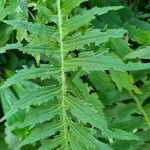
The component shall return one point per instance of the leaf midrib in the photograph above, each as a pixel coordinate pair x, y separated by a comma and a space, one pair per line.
60, 22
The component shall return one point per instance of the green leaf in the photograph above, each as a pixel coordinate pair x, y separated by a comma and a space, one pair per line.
9, 47
92, 36
123, 135
143, 53
32, 73
41, 132
120, 47
44, 15
82, 91
87, 16
7, 99
83, 111
90, 62
33, 50
23, 6
33, 28
7, 8
52, 144
5, 32
138, 35
122, 80
38, 115
90, 142
69, 99
68, 6
38, 97
141, 24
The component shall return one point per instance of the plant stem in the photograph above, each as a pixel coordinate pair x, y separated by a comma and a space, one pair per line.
60, 22
140, 108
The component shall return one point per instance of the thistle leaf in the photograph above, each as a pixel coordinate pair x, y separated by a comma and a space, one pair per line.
88, 15
143, 53
33, 28
94, 62
42, 95
25, 74
92, 36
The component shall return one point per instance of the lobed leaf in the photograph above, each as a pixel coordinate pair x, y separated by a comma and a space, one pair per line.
38, 97
84, 110
33, 50
143, 53
92, 36
90, 62
38, 115
41, 132
32, 73
87, 16
33, 28
68, 6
